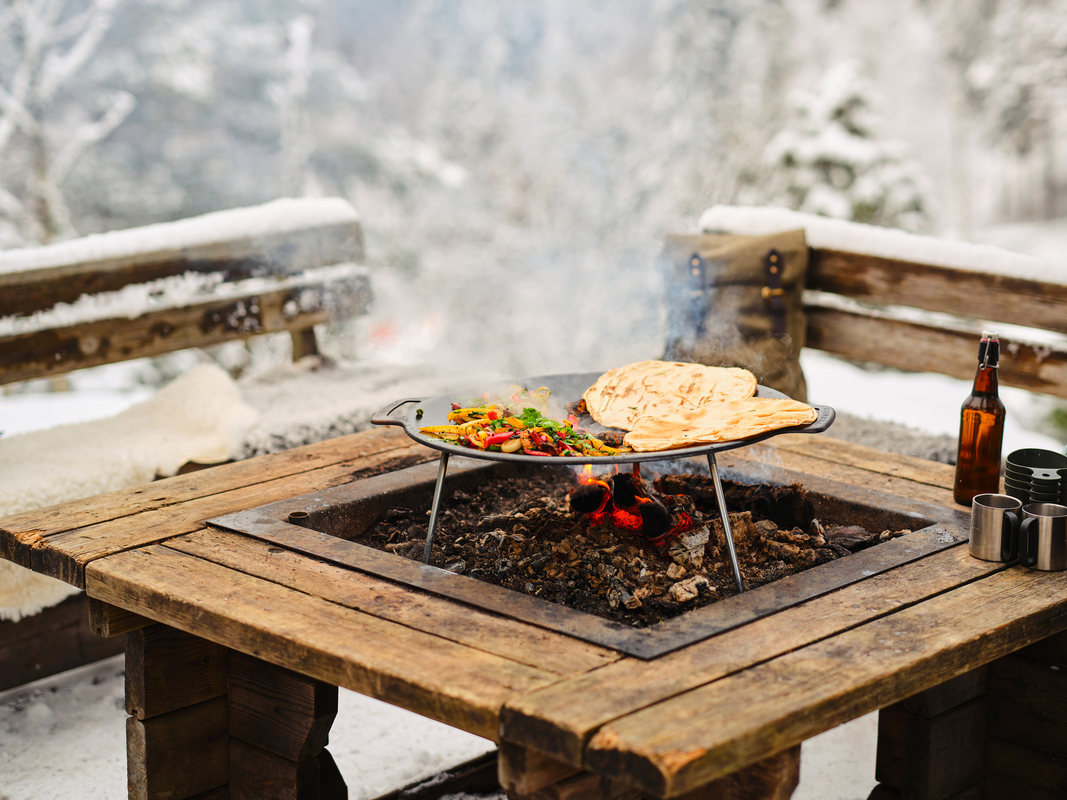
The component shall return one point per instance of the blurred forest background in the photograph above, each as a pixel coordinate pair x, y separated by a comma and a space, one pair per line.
521, 161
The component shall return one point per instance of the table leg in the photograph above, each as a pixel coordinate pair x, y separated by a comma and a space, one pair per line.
279, 727
209, 723
176, 735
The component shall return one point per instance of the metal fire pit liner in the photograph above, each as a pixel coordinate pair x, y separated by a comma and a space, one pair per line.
414, 413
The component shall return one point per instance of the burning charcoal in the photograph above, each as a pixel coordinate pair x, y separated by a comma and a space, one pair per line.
502, 566
629, 600
676, 571
537, 563
588, 498
625, 491
655, 519
458, 567
495, 521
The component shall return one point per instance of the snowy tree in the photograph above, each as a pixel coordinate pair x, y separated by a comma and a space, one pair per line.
45, 129
833, 162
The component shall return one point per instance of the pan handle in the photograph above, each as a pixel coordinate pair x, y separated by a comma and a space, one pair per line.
385, 416
823, 421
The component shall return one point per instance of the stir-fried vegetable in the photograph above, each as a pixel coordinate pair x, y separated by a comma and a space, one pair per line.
494, 427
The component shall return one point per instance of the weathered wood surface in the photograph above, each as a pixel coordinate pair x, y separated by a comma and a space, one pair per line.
178, 755
167, 669
688, 740
453, 683
59, 541
917, 347
108, 621
536, 647
107, 341
986, 296
279, 710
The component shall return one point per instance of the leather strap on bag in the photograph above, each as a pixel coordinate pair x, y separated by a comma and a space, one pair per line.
774, 292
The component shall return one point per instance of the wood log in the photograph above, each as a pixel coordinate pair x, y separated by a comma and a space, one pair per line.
981, 295
279, 710
917, 347
1028, 704
108, 620
1014, 771
49, 642
523, 771
257, 774
178, 755
167, 669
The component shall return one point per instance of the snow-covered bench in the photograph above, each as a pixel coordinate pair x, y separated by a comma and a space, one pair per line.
287, 265
918, 303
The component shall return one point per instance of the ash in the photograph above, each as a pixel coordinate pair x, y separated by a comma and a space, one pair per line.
520, 533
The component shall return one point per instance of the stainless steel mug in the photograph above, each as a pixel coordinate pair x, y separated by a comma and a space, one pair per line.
1043, 536
995, 527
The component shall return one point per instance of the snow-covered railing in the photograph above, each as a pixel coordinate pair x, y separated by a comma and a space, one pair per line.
283, 266
919, 303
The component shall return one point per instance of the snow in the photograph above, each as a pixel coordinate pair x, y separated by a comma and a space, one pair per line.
854, 237
277, 216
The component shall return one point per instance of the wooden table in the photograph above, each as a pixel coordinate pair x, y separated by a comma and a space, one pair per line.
237, 645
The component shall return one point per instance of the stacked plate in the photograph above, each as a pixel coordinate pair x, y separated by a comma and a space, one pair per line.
1036, 476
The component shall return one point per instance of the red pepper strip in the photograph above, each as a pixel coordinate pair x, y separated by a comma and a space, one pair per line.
492, 415
530, 452
499, 438
456, 406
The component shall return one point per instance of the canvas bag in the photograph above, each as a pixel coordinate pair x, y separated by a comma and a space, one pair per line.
737, 301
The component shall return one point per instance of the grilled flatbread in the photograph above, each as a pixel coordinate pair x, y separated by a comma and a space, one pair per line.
623, 395
719, 422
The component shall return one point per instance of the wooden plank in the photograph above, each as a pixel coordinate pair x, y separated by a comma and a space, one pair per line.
168, 669
767, 462
1014, 771
279, 710
949, 694
107, 620
560, 719
36, 524
945, 754
257, 774
49, 642
981, 295
890, 754
107, 341
1028, 704
439, 679
178, 755
63, 555
527, 644
682, 743
523, 771
242, 256
917, 347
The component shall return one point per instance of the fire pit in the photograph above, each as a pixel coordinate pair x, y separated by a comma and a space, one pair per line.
415, 414
322, 524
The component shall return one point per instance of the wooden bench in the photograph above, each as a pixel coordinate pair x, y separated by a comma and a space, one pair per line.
916, 315
285, 266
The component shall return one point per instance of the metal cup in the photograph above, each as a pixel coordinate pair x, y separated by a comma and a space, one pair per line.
995, 527
1043, 536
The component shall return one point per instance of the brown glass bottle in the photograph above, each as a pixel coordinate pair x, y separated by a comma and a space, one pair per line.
981, 428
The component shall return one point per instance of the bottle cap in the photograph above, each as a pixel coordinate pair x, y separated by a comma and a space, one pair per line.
990, 335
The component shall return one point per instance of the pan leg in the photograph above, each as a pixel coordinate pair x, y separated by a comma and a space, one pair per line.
725, 522
436, 504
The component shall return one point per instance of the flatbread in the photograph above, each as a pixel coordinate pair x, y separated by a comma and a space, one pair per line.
726, 421
623, 395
